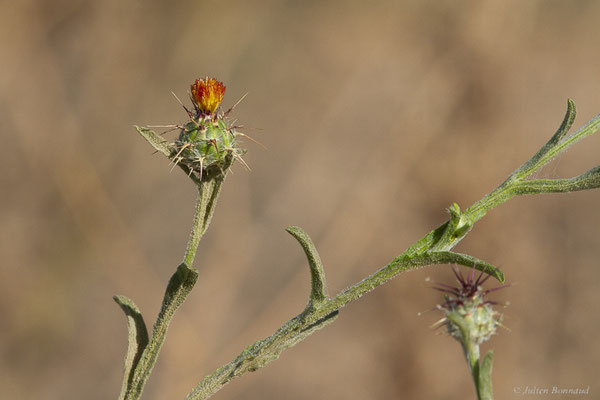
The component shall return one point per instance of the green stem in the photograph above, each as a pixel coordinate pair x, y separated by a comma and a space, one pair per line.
208, 193
472, 355
313, 318
179, 287
481, 374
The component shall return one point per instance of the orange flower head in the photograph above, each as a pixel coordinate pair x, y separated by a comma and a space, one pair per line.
207, 94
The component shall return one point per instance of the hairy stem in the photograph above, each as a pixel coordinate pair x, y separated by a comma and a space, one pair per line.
180, 285
143, 354
471, 351
208, 194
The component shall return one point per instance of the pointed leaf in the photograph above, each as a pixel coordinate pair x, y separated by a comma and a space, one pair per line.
449, 257
566, 124
318, 292
588, 180
157, 141
485, 377
137, 338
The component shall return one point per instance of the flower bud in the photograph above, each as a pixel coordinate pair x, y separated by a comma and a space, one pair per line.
473, 320
207, 143
468, 316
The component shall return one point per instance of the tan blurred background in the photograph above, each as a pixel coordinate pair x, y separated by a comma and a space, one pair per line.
377, 116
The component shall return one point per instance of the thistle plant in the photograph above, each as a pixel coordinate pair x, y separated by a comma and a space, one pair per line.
206, 149
471, 320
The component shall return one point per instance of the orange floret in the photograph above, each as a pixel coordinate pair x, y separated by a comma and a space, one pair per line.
207, 94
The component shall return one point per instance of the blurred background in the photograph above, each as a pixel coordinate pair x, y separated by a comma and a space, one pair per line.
376, 117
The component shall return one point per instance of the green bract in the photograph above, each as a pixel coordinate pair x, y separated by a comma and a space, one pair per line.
479, 321
206, 146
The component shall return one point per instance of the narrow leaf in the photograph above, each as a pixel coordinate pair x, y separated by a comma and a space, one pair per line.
318, 292
540, 159
180, 284
166, 148
157, 141
485, 377
137, 338
443, 257
552, 149
588, 180
566, 124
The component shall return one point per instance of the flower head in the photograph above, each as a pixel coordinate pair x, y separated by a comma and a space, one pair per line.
207, 94
468, 316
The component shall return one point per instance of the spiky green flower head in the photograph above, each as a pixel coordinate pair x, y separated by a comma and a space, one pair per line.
207, 143
468, 316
